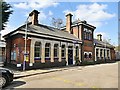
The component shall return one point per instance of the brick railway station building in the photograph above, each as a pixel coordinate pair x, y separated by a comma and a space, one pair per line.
48, 46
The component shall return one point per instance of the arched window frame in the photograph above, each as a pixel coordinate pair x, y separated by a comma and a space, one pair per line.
56, 50
97, 52
90, 55
85, 55
37, 51
85, 35
63, 51
47, 51
77, 51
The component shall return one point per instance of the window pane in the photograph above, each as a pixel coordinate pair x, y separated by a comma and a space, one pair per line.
85, 55
37, 49
47, 50
77, 51
63, 51
56, 48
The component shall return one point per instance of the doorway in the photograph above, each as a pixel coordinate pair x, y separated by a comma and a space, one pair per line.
70, 55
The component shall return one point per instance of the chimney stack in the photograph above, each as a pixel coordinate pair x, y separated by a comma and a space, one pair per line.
34, 17
68, 22
99, 37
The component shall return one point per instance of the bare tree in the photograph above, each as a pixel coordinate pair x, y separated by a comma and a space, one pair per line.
57, 22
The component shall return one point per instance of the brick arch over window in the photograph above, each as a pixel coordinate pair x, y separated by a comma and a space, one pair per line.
37, 50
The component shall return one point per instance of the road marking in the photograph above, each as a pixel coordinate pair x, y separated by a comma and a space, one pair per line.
74, 83
79, 84
68, 81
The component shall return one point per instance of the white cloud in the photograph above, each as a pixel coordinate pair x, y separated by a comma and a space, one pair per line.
22, 5
42, 16
102, 0
7, 30
93, 13
50, 13
36, 4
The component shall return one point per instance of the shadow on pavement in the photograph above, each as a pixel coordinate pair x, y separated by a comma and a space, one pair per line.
15, 84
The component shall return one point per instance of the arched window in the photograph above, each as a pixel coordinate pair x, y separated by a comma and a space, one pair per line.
85, 35
85, 55
47, 50
56, 50
37, 51
90, 56
97, 52
63, 51
89, 35
101, 53
77, 51
108, 53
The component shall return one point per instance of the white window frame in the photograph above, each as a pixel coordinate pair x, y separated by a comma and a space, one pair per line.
37, 51
63, 49
49, 50
57, 50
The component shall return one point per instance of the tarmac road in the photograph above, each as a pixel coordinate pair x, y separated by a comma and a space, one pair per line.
94, 76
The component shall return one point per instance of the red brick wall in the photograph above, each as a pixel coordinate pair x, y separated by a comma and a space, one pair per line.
79, 33
112, 51
8, 50
17, 45
88, 47
75, 31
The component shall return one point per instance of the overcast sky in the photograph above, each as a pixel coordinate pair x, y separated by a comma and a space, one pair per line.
103, 15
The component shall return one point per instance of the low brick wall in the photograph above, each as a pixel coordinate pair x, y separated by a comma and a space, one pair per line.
87, 62
38, 65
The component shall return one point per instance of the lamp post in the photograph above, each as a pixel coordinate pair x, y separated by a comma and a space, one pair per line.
25, 48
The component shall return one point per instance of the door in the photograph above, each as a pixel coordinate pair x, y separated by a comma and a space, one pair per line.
70, 55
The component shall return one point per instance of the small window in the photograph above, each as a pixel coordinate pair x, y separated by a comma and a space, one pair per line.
63, 51
89, 36
13, 55
107, 53
85, 55
97, 52
56, 50
37, 51
77, 51
90, 56
47, 50
85, 35
100, 52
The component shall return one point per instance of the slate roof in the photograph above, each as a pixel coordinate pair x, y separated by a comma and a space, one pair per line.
103, 44
47, 30
79, 21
